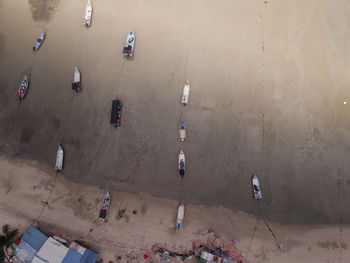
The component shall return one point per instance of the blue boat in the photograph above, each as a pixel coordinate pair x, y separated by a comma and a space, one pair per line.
23, 88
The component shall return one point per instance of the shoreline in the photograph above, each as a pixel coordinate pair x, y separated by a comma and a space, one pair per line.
154, 222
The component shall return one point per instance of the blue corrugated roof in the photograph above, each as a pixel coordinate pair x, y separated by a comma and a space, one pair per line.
89, 257
72, 256
25, 252
34, 238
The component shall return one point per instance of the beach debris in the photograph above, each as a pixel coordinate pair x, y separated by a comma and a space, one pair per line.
146, 255
22, 90
88, 14
182, 131
105, 206
186, 93
39, 41
345, 102
33, 187
128, 50
134, 212
132, 255
121, 213
256, 188
59, 159
116, 112
76, 80
182, 164
218, 247
180, 215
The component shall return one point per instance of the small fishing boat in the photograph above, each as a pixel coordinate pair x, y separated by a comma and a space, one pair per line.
182, 164
128, 50
116, 113
88, 14
180, 215
105, 207
182, 131
39, 41
256, 188
76, 80
23, 88
59, 159
186, 93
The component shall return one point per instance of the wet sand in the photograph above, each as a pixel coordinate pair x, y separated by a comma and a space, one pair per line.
268, 85
73, 209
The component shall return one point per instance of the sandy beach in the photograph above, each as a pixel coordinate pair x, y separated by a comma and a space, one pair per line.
73, 211
270, 95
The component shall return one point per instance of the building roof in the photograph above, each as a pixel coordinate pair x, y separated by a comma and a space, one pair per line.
52, 251
72, 257
34, 238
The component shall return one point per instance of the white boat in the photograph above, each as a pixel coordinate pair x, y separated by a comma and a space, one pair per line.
180, 215
256, 188
39, 41
76, 80
182, 164
182, 131
59, 159
186, 93
88, 14
105, 207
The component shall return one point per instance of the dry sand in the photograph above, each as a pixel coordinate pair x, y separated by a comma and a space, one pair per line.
154, 222
268, 85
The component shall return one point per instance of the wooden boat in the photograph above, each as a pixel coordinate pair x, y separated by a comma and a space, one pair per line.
182, 164
105, 207
186, 93
59, 159
116, 112
180, 215
88, 14
128, 50
39, 41
76, 80
256, 188
22, 90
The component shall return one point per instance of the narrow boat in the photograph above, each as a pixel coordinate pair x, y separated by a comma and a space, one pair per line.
76, 80
88, 14
186, 93
128, 50
256, 188
116, 113
22, 90
182, 131
182, 164
105, 207
180, 215
59, 159
39, 41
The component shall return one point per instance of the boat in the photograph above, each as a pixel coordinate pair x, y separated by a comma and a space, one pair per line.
39, 41
256, 188
116, 112
59, 159
76, 80
105, 207
186, 93
128, 50
182, 164
182, 131
22, 90
180, 215
88, 14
